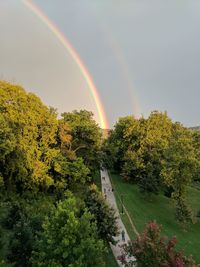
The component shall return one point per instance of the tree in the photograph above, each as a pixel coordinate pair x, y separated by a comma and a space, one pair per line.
146, 141
7, 139
178, 167
103, 214
151, 249
124, 133
69, 238
68, 173
86, 136
23, 217
21, 244
31, 130
64, 140
153, 144
149, 183
196, 145
7, 145
183, 212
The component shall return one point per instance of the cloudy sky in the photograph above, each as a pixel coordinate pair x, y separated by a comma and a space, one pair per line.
143, 55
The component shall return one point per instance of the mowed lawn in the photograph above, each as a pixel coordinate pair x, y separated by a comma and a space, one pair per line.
160, 209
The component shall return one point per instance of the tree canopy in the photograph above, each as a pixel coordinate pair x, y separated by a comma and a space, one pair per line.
86, 136
158, 155
48, 214
69, 238
31, 130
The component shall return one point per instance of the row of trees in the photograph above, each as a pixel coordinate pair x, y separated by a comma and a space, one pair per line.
158, 155
51, 214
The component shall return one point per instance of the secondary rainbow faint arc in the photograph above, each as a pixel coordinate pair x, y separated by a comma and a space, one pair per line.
65, 42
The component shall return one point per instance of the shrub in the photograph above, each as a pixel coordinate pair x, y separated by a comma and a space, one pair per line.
151, 249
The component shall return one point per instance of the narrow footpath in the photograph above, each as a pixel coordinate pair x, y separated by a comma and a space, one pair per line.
109, 194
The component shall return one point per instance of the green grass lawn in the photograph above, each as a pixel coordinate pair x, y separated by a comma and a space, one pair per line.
159, 208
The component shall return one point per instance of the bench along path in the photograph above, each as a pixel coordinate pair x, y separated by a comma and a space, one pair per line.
107, 191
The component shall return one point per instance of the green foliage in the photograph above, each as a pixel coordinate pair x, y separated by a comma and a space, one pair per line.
178, 168
1, 183
86, 136
4, 263
149, 183
69, 238
183, 213
78, 171
12, 216
103, 214
66, 173
21, 220
138, 148
64, 140
179, 160
36, 150
133, 167
7, 139
120, 138
153, 137
21, 244
29, 132
151, 249
196, 145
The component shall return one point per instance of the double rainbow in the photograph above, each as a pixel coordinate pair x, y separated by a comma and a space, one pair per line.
68, 46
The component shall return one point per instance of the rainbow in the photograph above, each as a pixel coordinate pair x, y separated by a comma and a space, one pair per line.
68, 46
122, 64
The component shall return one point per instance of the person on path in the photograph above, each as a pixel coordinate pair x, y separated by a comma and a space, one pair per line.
123, 235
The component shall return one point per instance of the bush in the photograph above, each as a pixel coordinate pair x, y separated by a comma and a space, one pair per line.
183, 213
151, 249
69, 238
104, 215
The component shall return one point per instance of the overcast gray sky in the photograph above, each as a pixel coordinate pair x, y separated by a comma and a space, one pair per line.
143, 55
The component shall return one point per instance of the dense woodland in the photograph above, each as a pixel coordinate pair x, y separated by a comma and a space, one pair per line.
51, 212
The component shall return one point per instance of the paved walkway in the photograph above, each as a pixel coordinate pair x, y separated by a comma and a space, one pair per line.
107, 190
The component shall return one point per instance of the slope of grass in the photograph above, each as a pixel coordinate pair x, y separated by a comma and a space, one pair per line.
161, 209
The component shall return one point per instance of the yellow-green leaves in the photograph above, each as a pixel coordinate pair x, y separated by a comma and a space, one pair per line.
29, 136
